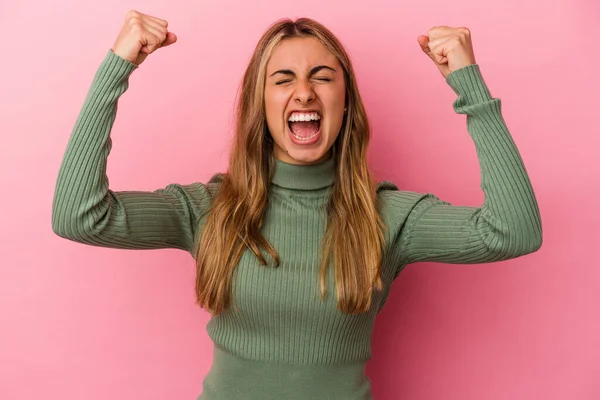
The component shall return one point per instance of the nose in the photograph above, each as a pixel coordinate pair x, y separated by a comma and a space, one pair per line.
304, 93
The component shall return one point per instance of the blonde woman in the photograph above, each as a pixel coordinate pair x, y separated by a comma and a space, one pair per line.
296, 245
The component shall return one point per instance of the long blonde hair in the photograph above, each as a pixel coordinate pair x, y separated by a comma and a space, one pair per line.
354, 233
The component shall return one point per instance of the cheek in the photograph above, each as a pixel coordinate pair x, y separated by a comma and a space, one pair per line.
334, 104
274, 107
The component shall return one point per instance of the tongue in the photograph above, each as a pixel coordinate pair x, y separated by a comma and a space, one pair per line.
304, 129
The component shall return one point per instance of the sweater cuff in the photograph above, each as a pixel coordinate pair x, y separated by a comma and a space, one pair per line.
115, 68
467, 82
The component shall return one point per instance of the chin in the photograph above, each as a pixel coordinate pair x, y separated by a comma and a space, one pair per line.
306, 155
309, 160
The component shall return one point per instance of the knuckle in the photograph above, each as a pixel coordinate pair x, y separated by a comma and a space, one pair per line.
131, 14
135, 25
134, 20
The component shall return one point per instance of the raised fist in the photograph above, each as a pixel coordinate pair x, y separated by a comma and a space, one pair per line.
141, 35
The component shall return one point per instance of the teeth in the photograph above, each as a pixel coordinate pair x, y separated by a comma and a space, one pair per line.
306, 138
295, 117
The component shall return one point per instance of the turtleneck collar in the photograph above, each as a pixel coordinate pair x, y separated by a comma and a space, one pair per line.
304, 177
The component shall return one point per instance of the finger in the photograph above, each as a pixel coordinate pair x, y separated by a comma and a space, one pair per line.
159, 21
153, 40
155, 25
167, 38
160, 33
424, 44
438, 50
439, 31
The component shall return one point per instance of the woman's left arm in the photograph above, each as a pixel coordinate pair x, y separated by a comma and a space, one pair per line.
508, 224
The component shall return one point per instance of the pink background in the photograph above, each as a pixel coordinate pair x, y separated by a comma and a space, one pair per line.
79, 322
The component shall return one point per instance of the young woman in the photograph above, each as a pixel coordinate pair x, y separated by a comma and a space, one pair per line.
296, 246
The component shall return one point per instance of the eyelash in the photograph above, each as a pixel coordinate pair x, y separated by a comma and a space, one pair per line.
320, 79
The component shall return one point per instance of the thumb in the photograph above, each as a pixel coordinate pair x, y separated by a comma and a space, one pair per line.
170, 39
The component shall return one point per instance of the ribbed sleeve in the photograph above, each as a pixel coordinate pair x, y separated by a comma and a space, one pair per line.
508, 224
85, 210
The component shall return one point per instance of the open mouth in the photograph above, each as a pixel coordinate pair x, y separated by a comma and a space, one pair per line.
304, 127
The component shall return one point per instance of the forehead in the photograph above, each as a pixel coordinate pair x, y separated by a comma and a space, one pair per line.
300, 54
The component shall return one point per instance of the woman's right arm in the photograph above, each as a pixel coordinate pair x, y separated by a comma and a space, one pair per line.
85, 210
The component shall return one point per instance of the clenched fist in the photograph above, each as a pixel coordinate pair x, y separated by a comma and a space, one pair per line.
449, 48
141, 35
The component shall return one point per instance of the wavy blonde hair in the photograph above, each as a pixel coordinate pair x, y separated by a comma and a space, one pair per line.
354, 233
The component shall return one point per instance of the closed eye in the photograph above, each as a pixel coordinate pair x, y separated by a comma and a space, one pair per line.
324, 79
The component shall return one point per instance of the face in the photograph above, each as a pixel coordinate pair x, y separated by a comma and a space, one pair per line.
305, 96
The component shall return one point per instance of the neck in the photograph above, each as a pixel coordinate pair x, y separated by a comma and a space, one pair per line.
304, 177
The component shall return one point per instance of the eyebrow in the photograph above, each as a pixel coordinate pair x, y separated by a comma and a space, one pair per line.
313, 71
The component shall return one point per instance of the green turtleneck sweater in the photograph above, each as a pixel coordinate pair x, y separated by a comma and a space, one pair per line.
280, 341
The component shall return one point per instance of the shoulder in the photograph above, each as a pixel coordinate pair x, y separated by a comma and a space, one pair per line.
214, 183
